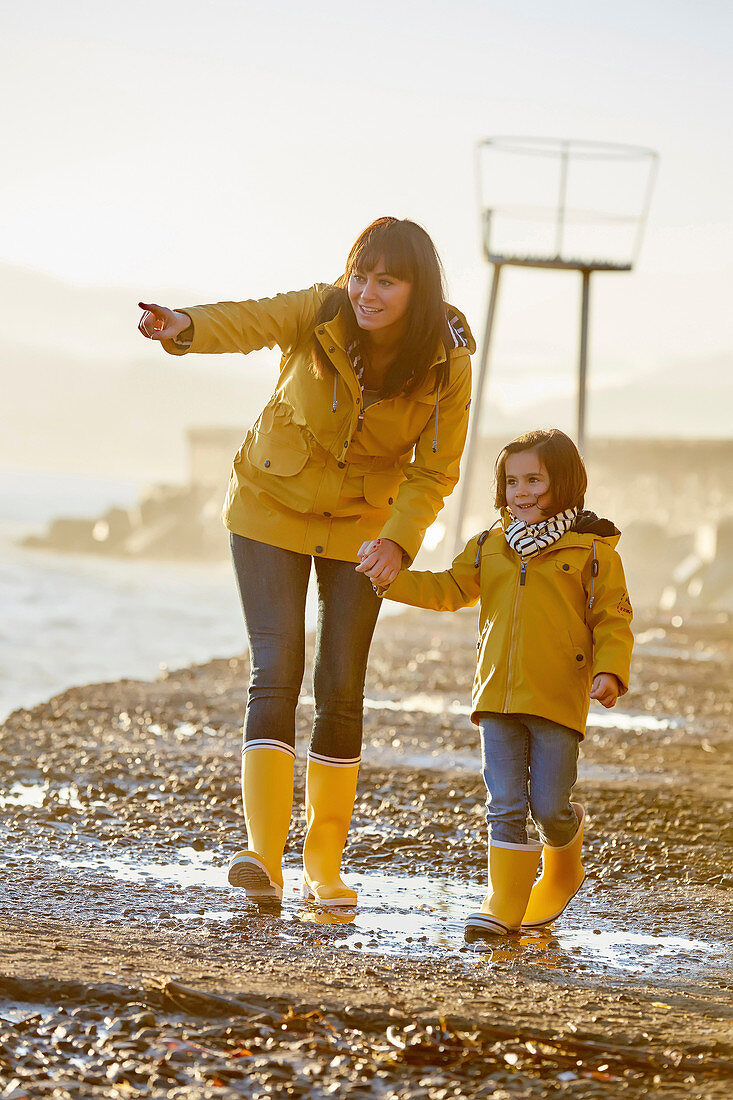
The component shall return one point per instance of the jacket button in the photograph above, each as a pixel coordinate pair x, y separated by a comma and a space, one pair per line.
327, 514
319, 549
341, 465
578, 656
332, 349
566, 567
321, 331
346, 444
267, 462
391, 500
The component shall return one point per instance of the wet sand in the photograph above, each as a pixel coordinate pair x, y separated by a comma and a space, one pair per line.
129, 967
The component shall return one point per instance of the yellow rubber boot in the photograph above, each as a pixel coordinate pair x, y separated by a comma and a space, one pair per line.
330, 790
561, 878
267, 794
512, 870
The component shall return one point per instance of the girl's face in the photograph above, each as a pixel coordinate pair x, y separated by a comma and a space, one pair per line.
528, 494
379, 300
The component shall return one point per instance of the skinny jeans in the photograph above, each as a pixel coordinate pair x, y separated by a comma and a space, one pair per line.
273, 584
530, 764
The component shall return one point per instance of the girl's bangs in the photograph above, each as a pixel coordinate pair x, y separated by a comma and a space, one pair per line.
384, 245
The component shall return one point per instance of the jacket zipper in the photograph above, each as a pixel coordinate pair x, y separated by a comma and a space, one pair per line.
515, 632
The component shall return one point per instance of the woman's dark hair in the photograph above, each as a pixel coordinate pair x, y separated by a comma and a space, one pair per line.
561, 459
407, 253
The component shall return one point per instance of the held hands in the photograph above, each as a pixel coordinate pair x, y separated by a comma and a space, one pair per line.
161, 323
381, 560
605, 688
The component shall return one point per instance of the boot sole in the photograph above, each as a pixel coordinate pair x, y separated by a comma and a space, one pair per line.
482, 924
549, 920
328, 903
253, 877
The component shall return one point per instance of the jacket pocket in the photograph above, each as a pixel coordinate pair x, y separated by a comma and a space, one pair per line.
381, 487
566, 567
580, 653
277, 444
274, 455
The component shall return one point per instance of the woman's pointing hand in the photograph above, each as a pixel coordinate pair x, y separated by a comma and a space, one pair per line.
161, 323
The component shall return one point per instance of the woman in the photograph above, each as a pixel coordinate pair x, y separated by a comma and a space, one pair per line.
357, 449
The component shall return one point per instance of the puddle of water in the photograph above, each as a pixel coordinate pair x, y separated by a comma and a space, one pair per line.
16, 1011
437, 704
413, 704
422, 915
197, 869
677, 654
635, 723
37, 794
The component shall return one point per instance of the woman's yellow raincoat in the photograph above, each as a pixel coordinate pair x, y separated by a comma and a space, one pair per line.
547, 625
317, 473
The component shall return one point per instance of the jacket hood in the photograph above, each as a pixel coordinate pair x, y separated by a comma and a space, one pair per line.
460, 329
588, 523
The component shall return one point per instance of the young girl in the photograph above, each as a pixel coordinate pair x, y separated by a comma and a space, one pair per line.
362, 438
554, 632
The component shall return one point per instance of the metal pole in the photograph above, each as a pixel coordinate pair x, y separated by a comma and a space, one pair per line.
583, 362
561, 200
476, 402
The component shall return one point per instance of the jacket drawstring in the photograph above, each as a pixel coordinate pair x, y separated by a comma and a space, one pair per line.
437, 407
335, 384
593, 575
481, 540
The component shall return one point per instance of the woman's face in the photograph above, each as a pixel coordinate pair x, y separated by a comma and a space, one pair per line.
379, 300
527, 486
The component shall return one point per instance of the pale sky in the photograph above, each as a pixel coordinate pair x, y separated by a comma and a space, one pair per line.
236, 147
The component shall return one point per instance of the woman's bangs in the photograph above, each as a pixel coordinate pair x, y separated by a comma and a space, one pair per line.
386, 246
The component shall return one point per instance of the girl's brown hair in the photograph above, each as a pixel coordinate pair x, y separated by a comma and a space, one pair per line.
565, 468
409, 254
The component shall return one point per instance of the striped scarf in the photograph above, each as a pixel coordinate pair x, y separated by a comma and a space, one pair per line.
529, 539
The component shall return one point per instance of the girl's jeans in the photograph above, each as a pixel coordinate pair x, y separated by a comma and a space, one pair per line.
272, 587
529, 763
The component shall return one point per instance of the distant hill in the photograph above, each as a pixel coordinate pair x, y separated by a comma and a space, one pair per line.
689, 398
82, 391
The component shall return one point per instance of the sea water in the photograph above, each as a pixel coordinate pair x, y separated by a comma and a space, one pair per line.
68, 619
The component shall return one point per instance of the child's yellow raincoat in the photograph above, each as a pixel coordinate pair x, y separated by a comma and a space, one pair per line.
547, 625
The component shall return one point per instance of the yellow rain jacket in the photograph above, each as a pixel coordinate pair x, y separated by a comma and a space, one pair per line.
318, 473
547, 625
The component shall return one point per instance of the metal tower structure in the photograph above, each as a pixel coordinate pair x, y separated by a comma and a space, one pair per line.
556, 205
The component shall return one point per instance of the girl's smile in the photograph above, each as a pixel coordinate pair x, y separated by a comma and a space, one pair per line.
528, 494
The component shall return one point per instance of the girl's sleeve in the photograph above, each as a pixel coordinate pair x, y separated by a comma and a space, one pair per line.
459, 586
249, 326
432, 475
610, 618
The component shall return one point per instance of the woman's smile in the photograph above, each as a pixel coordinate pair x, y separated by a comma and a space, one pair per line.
379, 300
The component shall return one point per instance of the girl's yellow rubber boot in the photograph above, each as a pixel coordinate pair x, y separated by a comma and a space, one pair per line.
267, 794
512, 870
562, 876
330, 789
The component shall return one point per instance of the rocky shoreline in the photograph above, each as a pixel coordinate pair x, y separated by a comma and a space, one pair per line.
129, 967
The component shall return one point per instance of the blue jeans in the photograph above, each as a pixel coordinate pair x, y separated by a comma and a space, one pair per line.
272, 586
529, 764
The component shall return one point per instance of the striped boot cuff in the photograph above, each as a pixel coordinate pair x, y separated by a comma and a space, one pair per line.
268, 743
334, 761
